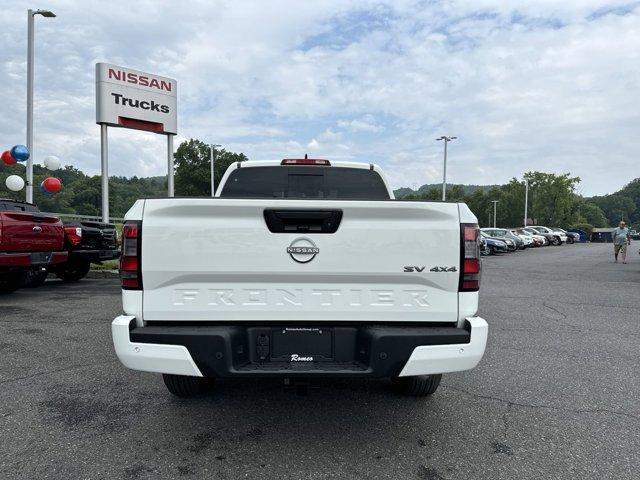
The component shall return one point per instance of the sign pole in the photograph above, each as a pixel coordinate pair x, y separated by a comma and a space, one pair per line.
170, 189
213, 164
213, 181
104, 157
526, 199
495, 211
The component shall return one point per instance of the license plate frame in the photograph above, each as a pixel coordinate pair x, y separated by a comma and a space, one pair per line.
302, 344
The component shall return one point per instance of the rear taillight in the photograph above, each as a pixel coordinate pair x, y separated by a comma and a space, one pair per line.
130, 264
73, 234
470, 267
305, 161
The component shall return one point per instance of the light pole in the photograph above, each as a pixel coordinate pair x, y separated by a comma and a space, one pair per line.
213, 178
526, 199
30, 15
444, 170
495, 206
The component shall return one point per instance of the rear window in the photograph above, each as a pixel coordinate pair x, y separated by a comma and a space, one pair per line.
6, 206
302, 182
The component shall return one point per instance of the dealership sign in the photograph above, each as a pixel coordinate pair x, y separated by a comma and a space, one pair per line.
133, 99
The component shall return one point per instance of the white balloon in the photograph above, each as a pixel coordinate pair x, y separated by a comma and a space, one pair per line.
14, 183
52, 162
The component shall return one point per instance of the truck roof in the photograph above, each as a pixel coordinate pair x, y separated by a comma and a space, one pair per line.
14, 201
11, 204
329, 164
333, 163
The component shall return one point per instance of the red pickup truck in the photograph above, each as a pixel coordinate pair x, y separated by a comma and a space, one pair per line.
30, 242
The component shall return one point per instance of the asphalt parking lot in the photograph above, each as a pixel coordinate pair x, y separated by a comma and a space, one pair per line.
556, 396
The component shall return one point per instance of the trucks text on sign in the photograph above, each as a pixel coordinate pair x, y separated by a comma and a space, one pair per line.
133, 99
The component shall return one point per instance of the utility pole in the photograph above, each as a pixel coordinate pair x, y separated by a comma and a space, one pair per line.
30, 36
444, 170
213, 173
526, 199
495, 206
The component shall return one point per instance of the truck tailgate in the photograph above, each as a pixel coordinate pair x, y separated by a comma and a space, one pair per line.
30, 232
217, 260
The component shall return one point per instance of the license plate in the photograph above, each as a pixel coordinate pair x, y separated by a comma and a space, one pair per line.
302, 344
40, 257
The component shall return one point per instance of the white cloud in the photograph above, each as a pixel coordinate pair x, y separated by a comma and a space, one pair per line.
360, 125
525, 85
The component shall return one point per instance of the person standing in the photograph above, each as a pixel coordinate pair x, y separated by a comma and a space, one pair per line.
620, 236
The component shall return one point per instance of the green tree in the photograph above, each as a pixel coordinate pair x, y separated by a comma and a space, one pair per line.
552, 198
615, 207
477, 203
432, 193
193, 167
632, 190
510, 210
590, 213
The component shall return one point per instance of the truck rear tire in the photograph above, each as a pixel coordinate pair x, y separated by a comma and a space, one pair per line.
419, 386
73, 270
185, 386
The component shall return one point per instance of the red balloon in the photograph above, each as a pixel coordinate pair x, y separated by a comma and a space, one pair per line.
7, 159
52, 184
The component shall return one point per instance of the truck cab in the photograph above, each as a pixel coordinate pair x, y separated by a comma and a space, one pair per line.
297, 269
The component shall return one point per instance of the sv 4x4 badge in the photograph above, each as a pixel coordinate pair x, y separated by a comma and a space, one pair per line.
432, 269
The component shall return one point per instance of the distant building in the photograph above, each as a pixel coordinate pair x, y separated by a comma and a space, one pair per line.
602, 235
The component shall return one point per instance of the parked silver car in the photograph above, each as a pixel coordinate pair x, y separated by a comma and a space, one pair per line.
504, 235
557, 238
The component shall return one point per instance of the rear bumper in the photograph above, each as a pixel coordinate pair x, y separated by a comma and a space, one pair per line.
233, 350
94, 255
28, 259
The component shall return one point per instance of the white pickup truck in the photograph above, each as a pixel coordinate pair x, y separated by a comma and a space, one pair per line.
300, 269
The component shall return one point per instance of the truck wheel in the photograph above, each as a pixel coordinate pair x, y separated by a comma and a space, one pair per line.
185, 386
10, 281
73, 270
419, 386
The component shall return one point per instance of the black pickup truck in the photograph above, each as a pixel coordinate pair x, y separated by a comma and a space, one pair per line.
87, 242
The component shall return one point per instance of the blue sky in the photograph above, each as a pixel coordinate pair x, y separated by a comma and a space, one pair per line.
549, 86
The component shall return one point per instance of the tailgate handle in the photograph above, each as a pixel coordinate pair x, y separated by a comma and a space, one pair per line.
302, 221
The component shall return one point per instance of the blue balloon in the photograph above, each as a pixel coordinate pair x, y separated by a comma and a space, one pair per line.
20, 153
44, 190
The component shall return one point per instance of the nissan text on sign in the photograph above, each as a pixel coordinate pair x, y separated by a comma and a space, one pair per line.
133, 99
